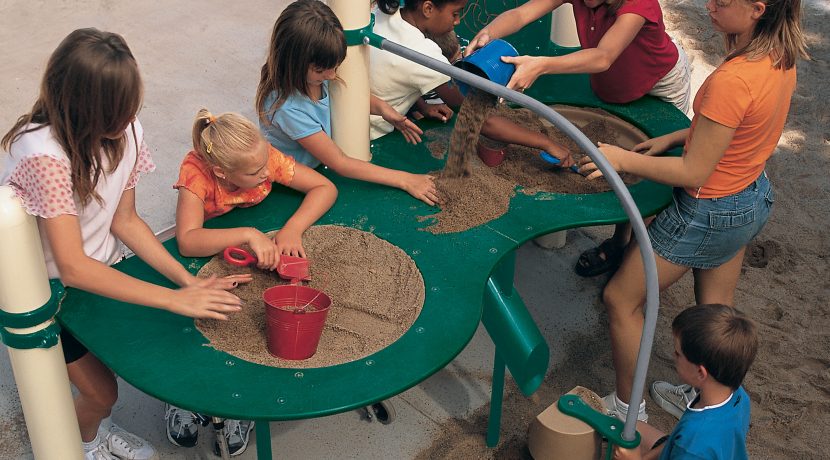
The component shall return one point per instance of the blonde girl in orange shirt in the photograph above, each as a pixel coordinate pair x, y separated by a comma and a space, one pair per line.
722, 197
231, 166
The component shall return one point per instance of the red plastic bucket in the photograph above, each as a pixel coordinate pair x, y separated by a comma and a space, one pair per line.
492, 157
295, 316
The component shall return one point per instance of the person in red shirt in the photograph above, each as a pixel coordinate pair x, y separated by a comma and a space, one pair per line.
628, 54
722, 195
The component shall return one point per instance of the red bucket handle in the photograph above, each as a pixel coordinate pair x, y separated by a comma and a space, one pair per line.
238, 256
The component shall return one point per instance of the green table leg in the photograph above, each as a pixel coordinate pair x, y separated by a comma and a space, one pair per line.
263, 440
497, 393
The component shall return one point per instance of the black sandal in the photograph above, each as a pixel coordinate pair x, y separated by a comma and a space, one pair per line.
592, 262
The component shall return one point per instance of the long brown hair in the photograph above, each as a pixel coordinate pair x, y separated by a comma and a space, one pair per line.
306, 34
91, 91
778, 34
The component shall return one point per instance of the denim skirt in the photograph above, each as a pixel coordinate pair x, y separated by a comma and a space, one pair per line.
708, 232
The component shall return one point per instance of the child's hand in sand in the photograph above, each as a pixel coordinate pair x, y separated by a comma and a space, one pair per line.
289, 242
199, 301
422, 187
561, 153
264, 249
225, 282
612, 153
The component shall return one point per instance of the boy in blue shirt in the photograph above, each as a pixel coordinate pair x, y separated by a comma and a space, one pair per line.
714, 345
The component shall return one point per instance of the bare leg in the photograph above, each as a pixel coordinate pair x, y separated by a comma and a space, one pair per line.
717, 285
624, 297
98, 391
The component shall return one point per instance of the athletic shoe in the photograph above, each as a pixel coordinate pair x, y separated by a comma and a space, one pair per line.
674, 399
619, 409
123, 444
98, 450
182, 429
237, 433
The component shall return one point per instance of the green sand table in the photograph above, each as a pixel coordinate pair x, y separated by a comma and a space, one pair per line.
164, 355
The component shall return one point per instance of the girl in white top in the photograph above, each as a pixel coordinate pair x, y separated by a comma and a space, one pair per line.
401, 83
74, 161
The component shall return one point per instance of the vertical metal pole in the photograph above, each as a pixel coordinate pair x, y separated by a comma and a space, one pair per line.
350, 96
39, 368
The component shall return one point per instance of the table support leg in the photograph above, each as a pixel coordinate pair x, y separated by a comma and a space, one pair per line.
496, 396
263, 440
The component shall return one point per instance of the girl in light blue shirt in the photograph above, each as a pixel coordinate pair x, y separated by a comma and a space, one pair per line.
292, 99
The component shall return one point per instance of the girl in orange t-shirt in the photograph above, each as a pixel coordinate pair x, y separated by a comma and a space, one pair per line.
232, 165
722, 197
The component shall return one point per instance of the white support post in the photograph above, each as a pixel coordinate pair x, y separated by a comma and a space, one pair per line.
350, 98
563, 27
40, 373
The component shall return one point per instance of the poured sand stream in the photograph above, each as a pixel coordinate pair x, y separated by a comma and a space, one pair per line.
377, 293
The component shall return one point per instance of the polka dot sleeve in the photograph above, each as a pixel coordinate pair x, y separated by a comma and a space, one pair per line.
44, 184
143, 165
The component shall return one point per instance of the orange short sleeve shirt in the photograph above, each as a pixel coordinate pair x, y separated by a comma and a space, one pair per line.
753, 98
196, 176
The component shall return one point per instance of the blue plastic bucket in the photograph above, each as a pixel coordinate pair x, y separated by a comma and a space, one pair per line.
486, 62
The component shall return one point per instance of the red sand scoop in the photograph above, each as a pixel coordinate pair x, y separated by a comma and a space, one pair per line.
289, 267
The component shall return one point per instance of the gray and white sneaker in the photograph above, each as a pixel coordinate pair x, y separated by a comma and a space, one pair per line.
182, 429
615, 407
674, 399
100, 451
237, 433
125, 445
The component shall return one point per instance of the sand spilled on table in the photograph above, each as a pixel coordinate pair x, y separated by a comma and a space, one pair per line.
475, 194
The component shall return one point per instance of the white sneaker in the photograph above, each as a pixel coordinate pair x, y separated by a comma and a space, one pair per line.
125, 445
98, 450
619, 409
674, 399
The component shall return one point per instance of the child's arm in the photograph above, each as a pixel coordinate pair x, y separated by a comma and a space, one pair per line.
131, 229
588, 60
420, 186
706, 147
196, 241
504, 130
657, 145
320, 194
511, 21
81, 271
411, 132
648, 436
440, 112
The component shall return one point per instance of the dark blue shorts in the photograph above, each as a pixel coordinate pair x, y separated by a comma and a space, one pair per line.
708, 232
